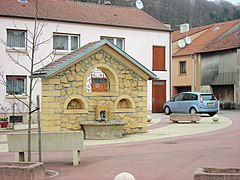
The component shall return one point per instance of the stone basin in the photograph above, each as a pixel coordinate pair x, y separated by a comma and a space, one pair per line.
22, 170
112, 129
216, 173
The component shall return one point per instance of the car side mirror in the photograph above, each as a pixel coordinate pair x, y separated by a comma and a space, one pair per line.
172, 99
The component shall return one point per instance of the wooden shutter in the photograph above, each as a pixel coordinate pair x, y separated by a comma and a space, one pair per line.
158, 58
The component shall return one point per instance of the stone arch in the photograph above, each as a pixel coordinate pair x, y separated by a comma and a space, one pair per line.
124, 103
75, 104
109, 72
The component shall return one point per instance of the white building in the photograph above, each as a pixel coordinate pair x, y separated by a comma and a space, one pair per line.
68, 25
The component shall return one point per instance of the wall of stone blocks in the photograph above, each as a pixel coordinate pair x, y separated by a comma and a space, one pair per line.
61, 88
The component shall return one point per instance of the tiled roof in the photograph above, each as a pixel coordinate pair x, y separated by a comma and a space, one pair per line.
64, 59
86, 13
74, 56
209, 34
177, 35
229, 42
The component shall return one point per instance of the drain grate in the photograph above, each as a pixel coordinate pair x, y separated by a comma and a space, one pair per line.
162, 134
170, 142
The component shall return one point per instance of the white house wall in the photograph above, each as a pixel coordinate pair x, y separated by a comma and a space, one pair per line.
138, 44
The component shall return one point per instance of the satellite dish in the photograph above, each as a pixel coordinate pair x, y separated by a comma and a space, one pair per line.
181, 43
139, 4
188, 40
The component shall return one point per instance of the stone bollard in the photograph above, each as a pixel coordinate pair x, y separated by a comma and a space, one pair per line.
149, 118
124, 176
215, 118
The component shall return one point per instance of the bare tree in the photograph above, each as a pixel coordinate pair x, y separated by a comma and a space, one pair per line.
34, 41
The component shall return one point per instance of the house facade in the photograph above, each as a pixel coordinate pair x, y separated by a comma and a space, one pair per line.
198, 58
220, 73
66, 26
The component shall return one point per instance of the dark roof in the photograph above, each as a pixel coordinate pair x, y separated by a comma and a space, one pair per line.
231, 41
208, 34
74, 56
86, 13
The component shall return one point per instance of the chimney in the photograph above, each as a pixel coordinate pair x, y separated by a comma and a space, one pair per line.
184, 28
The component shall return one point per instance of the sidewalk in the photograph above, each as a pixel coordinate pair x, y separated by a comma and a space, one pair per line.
168, 130
159, 127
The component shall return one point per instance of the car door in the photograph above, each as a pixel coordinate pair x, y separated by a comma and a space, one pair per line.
187, 102
175, 103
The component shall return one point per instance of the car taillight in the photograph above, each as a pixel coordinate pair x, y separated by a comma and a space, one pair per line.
201, 99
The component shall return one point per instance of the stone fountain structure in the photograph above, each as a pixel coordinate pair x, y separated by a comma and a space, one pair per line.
102, 127
68, 105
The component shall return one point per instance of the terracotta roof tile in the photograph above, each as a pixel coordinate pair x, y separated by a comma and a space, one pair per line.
71, 11
229, 42
177, 35
210, 34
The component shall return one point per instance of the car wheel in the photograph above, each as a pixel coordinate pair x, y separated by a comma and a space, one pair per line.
167, 110
193, 111
211, 114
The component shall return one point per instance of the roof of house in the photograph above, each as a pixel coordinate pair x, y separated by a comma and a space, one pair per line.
229, 42
79, 12
177, 35
208, 35
74, 56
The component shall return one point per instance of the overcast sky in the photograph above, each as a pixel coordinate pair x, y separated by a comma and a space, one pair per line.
235, 2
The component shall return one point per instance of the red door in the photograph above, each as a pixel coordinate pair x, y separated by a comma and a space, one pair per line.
158, 95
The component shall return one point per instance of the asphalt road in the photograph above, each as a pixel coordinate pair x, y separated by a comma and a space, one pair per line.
174, 158
166, 159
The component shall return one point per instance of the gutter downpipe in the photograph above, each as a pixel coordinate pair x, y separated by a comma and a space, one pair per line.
170, 64
193, 72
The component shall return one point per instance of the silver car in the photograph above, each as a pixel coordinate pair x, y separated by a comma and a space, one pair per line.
192, 102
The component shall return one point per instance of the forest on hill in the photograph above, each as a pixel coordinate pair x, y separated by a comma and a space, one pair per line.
176, 12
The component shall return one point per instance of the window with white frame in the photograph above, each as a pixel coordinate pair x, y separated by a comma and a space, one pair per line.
16, 39
66, 42
119, 42
16, 85
182, 67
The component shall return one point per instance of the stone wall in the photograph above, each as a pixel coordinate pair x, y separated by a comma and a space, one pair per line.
69, 85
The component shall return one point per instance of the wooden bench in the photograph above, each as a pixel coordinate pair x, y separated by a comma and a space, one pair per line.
51, 141
185, 117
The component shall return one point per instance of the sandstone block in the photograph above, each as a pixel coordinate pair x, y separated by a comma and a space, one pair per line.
99, 56
63, 79
58, 87
78, 68
48, 99
48, 87
50, 93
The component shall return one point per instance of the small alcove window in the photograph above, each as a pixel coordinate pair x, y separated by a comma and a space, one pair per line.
74, 104
124, 103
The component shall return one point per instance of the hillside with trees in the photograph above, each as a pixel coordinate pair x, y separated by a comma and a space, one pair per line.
176, 12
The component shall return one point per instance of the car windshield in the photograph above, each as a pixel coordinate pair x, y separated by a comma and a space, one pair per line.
207, 97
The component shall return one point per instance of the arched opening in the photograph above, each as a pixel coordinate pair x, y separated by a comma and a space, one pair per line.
105, 83
124, 103
75, 104
97, 81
